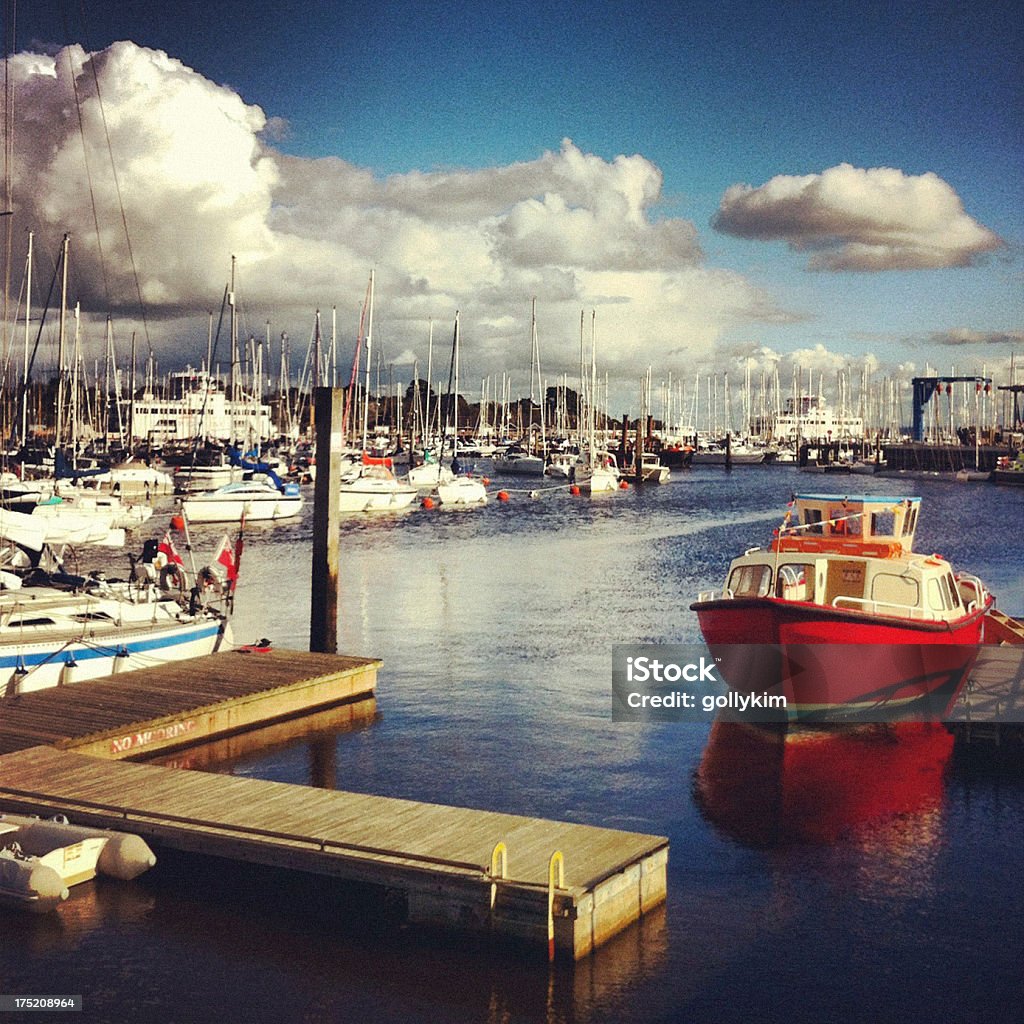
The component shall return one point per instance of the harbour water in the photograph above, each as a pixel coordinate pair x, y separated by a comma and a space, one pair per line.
870, 878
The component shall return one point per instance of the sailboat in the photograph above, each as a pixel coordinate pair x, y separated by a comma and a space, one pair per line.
371, 485
58, 628
460, 489
257, 492
517, 458
596, 471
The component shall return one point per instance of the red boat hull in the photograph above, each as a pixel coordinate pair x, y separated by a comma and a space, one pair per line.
825, 660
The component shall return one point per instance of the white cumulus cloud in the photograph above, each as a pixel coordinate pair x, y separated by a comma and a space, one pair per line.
193, 168
851, 218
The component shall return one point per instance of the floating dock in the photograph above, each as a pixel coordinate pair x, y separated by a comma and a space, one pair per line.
990, 709
571, 885
182, 703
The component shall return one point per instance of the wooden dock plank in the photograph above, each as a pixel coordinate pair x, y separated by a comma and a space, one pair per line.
438, 855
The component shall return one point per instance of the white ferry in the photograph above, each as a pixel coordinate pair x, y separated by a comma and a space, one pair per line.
196, 406
814, 421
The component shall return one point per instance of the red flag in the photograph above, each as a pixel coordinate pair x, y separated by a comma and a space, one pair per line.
167, 549
226, 558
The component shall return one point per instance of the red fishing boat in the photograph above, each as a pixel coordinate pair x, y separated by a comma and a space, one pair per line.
840, 614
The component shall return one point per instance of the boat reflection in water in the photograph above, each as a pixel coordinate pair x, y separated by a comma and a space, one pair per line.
769, 785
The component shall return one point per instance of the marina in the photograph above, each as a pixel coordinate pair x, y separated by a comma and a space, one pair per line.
473, 714
512, 519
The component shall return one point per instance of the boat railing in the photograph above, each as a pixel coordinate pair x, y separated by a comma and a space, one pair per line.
968, 581
907, 611
725, 594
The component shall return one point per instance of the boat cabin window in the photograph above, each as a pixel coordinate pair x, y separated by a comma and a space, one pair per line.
942, 595
910, 520
812, 517
791, 584
844, 523
883, 524
38, 621
750, 581
899, 591
93, 617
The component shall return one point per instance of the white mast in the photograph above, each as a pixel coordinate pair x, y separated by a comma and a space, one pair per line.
535, 366
455, 397
430, 370
60, 341
369, 349
28, 311
592, 414
233, 383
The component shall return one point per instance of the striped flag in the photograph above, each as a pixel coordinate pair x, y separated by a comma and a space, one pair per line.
170, 554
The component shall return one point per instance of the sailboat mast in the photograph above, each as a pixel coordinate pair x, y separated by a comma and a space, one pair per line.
455, 397
592, 410
583, 383
427, 419
369, 349
542, 396
28, 318
233, 382
75, 430
59, 427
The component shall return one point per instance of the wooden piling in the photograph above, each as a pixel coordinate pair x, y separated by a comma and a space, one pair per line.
323, 614
638, 452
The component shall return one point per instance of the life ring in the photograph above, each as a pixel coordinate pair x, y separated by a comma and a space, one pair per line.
208, 580
172, 577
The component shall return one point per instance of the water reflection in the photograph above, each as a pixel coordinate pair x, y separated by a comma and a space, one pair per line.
769, 785
319, 729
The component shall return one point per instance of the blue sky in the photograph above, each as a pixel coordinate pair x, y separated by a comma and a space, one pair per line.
711, 96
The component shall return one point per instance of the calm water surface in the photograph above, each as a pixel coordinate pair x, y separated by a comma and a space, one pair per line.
860, 879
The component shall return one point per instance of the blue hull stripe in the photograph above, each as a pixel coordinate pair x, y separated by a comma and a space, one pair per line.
87, 650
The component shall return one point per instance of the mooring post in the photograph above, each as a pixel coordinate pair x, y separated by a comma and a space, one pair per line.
638, 452
323, 616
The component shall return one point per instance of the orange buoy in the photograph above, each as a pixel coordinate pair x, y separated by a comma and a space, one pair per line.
486, 480
574, 490
502, 495
427, 502
623, 485
177, 522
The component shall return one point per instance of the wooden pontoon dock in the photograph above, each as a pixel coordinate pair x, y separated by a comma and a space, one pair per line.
989, 712
571, 885
183, 702
68, 750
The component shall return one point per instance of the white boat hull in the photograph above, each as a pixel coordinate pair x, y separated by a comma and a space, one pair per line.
200, 510
372, 487
59, 651
600, 481
462, 490
428, 476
